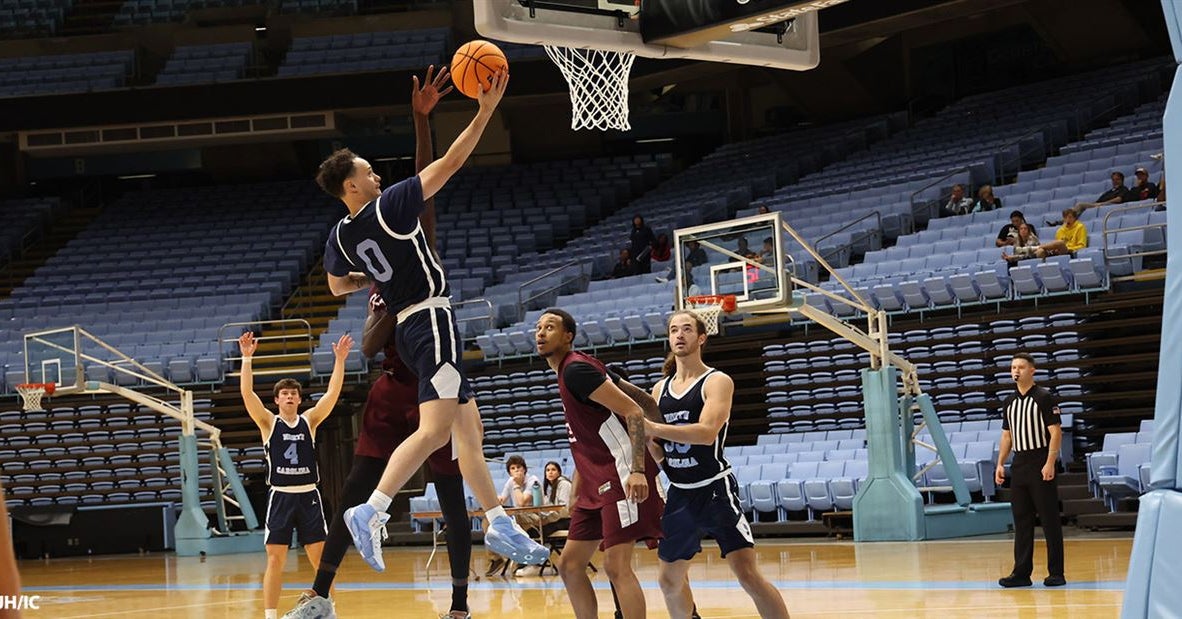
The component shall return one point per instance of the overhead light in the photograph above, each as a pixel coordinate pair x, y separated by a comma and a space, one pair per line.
654, 140
131, 177
260, 28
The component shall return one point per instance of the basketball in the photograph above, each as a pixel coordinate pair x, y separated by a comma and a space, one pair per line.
474, 64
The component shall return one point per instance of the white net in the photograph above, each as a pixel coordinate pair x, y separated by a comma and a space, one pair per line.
31, 394
598, 82
709, 314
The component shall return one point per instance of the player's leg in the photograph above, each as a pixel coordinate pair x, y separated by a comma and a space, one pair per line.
674, 580
767, 599
450, 490
617, 563
273, 578
359, 484
314, 550
572, 567
277, 540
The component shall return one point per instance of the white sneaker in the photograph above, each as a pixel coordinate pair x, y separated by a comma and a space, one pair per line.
312, 606
368, 529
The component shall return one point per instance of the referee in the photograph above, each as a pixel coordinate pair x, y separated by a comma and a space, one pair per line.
1030, 427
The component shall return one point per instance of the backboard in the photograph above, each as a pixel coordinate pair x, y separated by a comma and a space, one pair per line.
744, 257
53, 357
610, 25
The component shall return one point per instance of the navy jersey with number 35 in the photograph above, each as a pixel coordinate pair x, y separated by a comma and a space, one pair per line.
291, 454
385, 241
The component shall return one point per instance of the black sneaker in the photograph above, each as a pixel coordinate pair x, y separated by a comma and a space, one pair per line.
695, 614
1014, 581
1054, 581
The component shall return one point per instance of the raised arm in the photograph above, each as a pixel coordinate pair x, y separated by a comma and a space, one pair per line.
716, 410
379, 326
615, 399
254, 406
422, 101
320, 412
436, 175
340, 286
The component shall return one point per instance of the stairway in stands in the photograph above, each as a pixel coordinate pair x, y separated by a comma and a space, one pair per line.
60, 232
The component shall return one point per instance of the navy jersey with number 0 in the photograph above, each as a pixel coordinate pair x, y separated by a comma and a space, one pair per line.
690, 465
385, 241
291, 454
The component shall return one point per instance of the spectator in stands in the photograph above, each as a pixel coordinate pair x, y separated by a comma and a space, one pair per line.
555, 491
696, 255
1025, 245
1031, 427
691, 289
1071, 237
661, 249
763, 209
1009, 232
986, 201
642, 239
767, 254
626, 266
10, 579
1142, 189
958, 203
1117, 194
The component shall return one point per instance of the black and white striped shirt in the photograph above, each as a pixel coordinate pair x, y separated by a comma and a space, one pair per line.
1028, 416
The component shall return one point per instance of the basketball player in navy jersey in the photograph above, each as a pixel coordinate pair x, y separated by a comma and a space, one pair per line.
289, 438
382, 241
392, 414
695, 404
613, 507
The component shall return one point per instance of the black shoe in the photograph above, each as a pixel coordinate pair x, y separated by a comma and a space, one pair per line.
619, 614
1054, 222
1014, 581
494, 566
695, 615
1054, 581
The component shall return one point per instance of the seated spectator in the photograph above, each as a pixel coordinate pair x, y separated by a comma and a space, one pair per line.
763, 209
1142, 189
1025, 245
691, 289
661, 250
986, 201
958, 203
641, 239
696, 256
1009, 232
555, 491
767, 254
1071, 237
517, 492
1117, 194
744, 248
625, 267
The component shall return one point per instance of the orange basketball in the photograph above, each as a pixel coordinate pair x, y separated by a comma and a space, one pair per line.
474, 64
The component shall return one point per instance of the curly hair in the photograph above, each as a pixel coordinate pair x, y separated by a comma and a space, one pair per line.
334, 170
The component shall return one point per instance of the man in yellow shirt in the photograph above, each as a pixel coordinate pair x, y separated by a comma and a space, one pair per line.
1071, 237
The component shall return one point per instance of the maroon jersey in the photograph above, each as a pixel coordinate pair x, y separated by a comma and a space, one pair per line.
599, 438
392, 362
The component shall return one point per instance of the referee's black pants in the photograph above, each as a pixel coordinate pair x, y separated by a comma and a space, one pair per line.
1030, 496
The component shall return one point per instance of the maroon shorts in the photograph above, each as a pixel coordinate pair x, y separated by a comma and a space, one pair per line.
607, 523
391, 415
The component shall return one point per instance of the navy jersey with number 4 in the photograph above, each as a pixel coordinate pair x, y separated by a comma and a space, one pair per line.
691, 466
291, 454
385, 241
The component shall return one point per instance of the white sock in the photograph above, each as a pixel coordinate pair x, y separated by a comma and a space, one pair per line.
271, 613
495, 513
379, 501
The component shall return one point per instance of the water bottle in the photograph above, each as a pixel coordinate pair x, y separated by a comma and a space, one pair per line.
537, 492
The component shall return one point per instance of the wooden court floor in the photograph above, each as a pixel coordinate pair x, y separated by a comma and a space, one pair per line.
819, 578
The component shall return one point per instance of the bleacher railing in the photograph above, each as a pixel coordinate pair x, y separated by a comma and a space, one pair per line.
877, 215
294, 333
1110, 231
523, 300
489, 316
921, 204
1023, 140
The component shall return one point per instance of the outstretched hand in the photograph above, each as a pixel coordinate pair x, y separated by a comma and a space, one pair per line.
423, 98
491, 94
247, 344
342, 346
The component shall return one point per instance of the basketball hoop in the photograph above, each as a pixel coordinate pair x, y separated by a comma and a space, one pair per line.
32, 393
709, 307
598, 82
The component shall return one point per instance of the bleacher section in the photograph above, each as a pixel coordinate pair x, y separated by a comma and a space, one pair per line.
29, 75
365, 51
239, 252
33, 16
199, 64
25, 219
156, 11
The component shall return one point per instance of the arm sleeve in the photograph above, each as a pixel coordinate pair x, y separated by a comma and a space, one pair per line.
1048, 405
335, 261
1079, 239
562, 497
582, 379
1005, 419
401, 204
507, 491
1004, 233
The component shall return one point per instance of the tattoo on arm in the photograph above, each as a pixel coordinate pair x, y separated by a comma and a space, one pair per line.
652, 411
636, 433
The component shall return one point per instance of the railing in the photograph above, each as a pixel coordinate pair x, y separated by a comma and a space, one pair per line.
922, 207
490, 316
295, 333
522, 300
302, 296
1116, 210
817, 243
999, 173
1091, 121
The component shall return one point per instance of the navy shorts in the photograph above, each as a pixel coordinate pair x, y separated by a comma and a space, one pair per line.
710, 510
302, 512
430, 345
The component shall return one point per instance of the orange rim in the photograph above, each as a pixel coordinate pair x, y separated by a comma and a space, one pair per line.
48, 387
727, 301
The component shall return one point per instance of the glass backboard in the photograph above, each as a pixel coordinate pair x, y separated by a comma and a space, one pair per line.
52, 357
742, 257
